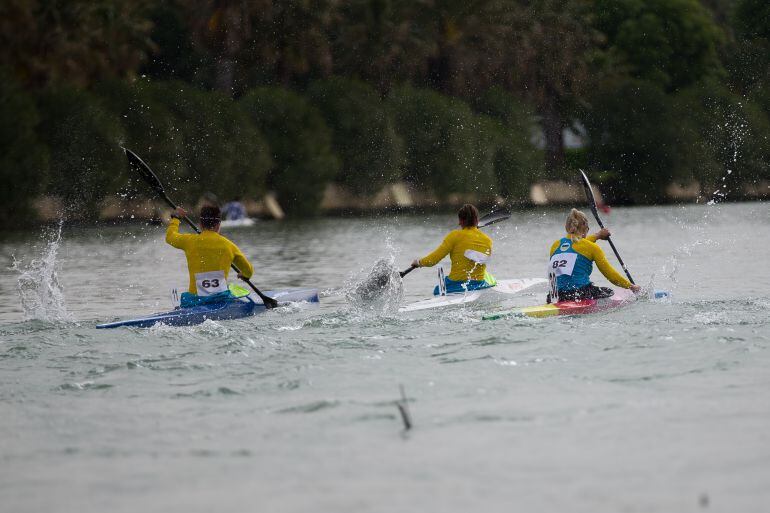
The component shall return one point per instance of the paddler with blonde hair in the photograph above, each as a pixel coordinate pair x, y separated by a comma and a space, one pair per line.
571, 263
469, 249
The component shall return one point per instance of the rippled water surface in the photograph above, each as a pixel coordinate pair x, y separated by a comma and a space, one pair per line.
660, 406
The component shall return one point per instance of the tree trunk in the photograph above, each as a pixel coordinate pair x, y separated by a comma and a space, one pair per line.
225, 64
553, 132
441, 70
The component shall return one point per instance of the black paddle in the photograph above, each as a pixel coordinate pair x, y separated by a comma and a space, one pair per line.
491, 218
152, 180
592, 203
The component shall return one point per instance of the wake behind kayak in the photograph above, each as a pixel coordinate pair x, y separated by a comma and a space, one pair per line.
235, 308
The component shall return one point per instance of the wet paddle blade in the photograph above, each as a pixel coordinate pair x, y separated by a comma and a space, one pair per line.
381, 278
494, 217
144, 171
590, 196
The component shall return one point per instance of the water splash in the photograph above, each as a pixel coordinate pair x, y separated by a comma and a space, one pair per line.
40, 293
380, 293
736, 127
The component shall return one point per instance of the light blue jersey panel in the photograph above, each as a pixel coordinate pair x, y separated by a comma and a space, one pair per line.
572, 270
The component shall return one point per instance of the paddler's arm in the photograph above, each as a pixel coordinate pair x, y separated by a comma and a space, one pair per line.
435, 257
243, 265
173, 237
607, 270
604, 234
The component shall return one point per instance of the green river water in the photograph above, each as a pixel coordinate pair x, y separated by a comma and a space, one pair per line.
657, 407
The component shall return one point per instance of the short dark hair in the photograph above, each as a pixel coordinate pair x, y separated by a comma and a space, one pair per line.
468, 215
210, 217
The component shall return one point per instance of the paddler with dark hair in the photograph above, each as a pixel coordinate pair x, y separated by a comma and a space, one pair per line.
571, 263
469, 249
209, 257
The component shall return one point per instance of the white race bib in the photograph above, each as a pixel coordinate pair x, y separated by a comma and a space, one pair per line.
210, 283
562, 264
477, 256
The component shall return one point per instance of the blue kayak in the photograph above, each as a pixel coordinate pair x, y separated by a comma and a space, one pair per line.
230, 309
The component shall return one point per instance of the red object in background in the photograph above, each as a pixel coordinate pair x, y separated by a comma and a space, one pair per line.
604, 208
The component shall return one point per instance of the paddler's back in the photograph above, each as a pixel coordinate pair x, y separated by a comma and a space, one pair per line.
456, 244
206, 252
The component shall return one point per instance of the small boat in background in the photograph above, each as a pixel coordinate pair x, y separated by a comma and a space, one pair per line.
237, 223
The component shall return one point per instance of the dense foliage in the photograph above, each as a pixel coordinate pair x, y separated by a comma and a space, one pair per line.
241, 98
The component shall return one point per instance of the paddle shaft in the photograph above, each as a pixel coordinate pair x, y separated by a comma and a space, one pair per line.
592, 203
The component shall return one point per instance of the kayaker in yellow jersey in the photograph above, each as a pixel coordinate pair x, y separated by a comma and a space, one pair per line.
209, 256
469, 249
571, 263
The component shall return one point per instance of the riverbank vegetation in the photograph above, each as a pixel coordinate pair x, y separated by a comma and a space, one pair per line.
241, 98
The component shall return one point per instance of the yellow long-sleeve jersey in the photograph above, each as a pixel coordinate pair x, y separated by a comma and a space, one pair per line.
207, 251
580, 272
456, 244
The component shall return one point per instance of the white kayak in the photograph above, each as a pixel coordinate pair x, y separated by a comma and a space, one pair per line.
237, 223
500, 291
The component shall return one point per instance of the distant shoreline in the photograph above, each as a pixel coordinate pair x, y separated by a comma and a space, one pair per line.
395, 198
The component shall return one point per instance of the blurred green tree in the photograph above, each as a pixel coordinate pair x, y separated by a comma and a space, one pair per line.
76, 42
672, 43
23, 159
552, 46
300, 143
84, 142
151, 129
517, 161
635, 139
223, 151
380, 41
729, 135
364, 136
447, 147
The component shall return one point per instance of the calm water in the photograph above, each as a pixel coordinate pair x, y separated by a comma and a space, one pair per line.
657, 407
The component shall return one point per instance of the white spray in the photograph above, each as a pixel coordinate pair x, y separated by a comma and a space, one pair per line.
41, 294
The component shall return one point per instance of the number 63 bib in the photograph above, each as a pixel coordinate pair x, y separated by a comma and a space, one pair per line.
210, 283
562, 264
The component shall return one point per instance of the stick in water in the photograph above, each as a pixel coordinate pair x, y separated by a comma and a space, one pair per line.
404, 409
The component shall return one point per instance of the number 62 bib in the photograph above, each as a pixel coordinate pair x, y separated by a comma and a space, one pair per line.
210, 283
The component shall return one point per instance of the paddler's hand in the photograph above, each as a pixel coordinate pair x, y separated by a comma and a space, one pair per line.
603, 234
416, 263
179, 213
635, 289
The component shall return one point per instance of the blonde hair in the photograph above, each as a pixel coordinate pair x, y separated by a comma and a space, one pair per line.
577, 223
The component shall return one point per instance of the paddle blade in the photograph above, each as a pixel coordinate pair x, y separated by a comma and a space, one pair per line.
380, 290
494, 217
589, 195
269, 302
144, 171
